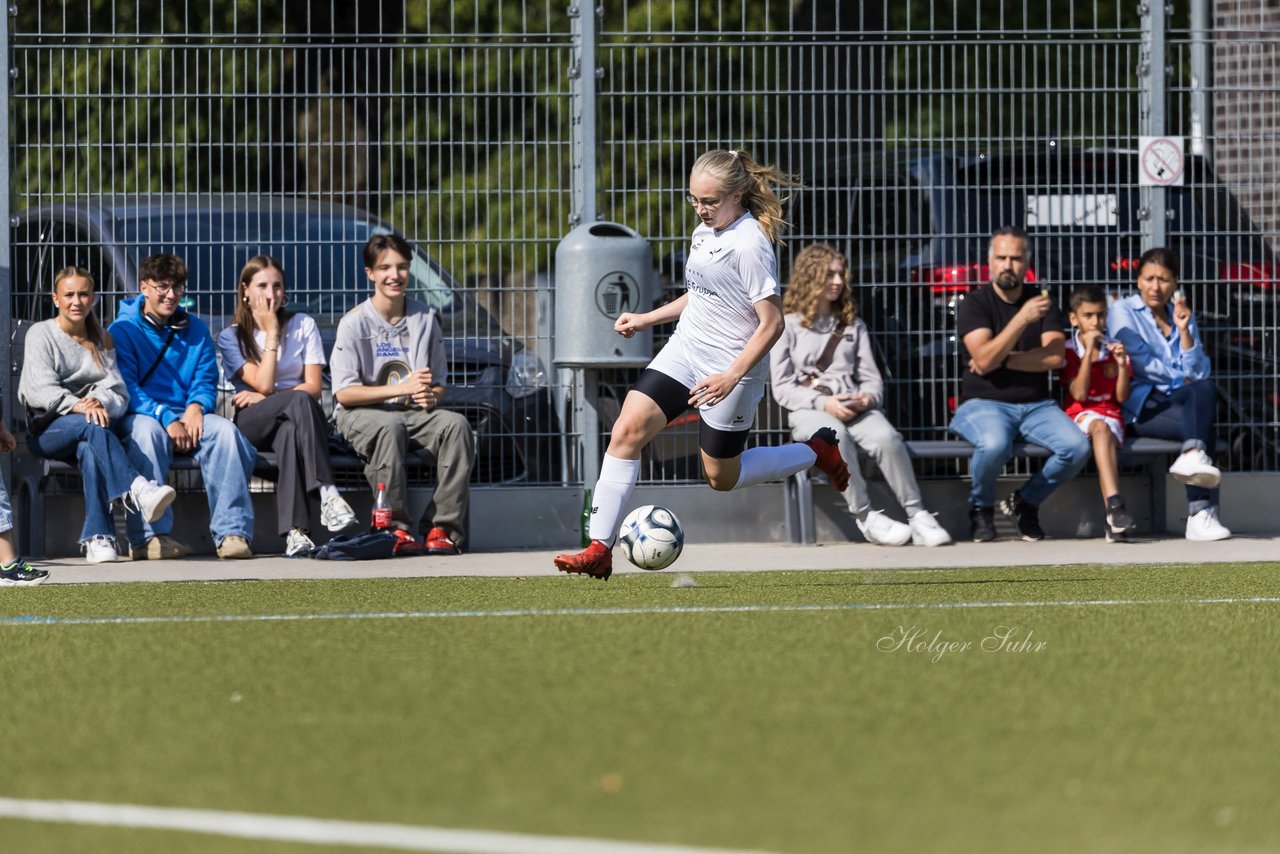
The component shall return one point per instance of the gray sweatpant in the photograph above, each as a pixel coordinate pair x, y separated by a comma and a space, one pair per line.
382, 437
874, 434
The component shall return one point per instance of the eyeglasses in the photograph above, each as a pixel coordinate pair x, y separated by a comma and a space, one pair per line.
706, 204
166, 288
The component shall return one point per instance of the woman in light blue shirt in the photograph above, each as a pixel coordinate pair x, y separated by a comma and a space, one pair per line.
1172, 397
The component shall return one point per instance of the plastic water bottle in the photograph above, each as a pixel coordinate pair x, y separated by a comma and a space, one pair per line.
381, 509
586, 518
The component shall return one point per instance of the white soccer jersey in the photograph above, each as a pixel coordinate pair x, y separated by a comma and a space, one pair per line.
726, 274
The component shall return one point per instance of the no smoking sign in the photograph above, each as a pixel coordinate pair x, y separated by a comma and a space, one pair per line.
1161, 161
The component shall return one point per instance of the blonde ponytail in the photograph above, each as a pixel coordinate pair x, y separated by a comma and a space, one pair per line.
735, 171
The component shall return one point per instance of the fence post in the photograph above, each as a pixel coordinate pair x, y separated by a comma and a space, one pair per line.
1152, 78
1201, 119
6, 228
582, 170
582, 99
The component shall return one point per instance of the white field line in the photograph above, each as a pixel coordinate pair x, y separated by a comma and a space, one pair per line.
628, 611
400, 837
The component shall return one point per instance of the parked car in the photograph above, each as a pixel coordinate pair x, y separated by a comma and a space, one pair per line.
915, 224
494, 381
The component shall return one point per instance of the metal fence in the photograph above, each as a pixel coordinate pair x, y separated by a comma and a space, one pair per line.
917, 127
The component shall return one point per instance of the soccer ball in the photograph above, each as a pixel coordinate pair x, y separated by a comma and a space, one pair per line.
651, 537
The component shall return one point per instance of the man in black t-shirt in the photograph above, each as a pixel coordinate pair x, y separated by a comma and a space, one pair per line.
1013, 338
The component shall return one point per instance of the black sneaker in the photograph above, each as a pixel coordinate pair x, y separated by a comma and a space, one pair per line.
1118, 519
19, 573
982, 522
1025, 516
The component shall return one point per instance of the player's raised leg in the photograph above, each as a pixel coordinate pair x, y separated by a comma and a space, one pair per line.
729, 464
759, 465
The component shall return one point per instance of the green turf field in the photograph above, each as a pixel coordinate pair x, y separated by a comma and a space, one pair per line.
770, 711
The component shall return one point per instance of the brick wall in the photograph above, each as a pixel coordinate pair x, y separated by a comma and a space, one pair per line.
1246, 106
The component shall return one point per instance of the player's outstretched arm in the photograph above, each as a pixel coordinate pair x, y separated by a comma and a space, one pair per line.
629, 323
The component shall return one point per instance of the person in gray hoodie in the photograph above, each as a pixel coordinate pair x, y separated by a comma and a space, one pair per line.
388, 372
823, 372
75, 399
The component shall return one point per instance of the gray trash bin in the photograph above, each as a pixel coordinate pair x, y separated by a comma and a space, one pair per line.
603, 269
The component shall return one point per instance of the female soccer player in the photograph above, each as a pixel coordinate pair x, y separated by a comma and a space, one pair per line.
730, 316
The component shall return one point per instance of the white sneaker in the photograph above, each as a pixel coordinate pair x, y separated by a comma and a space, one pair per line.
1196, 469
925, 530
298, 544
150, 499
880, 530
100, 549
1205, 526
336, 514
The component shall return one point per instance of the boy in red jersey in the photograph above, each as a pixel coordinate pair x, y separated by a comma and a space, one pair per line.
1094, 395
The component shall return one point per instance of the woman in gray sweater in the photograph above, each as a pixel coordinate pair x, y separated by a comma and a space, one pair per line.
74, 394
823, 372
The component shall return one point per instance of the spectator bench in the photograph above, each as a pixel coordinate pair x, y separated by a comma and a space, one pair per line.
798, 489
33, 476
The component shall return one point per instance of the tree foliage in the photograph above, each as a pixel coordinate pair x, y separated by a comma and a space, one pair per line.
453, 119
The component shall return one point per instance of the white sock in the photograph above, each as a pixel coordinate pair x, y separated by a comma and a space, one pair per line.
327, 491
762, 464
613, 490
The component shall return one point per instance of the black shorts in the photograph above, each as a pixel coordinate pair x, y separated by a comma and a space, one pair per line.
673, 399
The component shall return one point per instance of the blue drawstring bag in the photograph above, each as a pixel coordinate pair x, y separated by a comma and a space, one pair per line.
370, 545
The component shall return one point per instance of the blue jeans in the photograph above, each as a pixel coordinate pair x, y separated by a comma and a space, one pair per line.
1186, 415
104, 466
992, 427
6, 509
226, 462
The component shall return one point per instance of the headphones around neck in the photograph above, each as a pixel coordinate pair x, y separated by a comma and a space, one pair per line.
178, 320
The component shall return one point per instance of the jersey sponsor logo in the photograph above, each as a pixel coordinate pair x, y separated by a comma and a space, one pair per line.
695, 282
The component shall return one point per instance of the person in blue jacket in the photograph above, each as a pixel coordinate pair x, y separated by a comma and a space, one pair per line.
170, 368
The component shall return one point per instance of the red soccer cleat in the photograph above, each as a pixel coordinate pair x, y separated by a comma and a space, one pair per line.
438, 543
596, 561
829, 462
